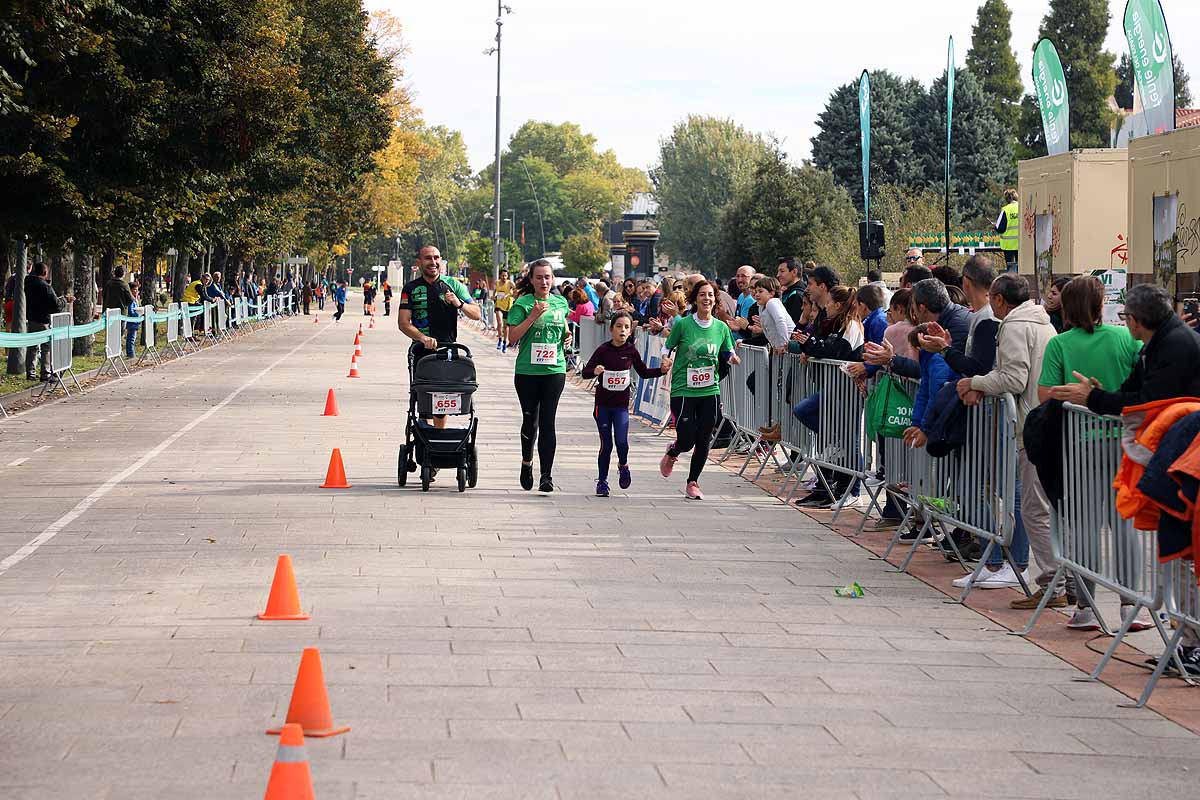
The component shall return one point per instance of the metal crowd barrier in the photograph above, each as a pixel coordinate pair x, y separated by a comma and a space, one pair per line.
114, 346
1181, 596
591, 336
751, 406
1090, 539
651, 399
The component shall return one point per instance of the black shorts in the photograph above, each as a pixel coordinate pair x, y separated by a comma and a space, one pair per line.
503, 314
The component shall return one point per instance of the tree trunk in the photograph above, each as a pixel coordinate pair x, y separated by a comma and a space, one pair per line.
220, 257
85, 300
5, 266
60, 272
16, 355
179, 279
149, 274
108, 257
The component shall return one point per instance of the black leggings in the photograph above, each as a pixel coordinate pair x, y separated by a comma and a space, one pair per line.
695, 419
539, 404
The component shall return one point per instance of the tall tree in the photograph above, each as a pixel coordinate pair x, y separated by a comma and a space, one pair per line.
981, 155
702, 164
1078, 29
1124, 91
781, 211
894, 101
992, 60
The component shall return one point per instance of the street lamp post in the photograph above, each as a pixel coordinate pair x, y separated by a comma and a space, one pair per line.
501, 9
512, 225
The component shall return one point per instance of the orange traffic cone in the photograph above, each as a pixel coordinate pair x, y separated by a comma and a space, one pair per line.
335, 477
372, 325
331, 409
316, 318
284, 601
357, 349
358, 338
290, 778
353, 367
310, 702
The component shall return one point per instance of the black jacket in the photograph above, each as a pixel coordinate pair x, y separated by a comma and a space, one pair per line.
956, 320
1168, 366
41, 301
117, 295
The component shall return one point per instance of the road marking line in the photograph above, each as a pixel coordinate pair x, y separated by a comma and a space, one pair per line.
85, 430
18, 462
83, 505
43, 448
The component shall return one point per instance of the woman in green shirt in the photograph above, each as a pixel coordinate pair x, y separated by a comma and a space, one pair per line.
701, 343
538, 322
1089, 349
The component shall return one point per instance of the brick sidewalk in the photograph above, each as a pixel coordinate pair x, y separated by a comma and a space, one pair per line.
490, 644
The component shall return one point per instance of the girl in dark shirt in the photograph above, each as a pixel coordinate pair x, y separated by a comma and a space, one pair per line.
612, 364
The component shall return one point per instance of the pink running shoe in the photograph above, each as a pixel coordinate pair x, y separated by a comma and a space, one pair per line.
667, 464
693, 491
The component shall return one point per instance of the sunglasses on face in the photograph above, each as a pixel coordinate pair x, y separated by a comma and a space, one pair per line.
912, 258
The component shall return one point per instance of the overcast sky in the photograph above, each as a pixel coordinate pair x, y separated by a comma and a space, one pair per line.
628, 70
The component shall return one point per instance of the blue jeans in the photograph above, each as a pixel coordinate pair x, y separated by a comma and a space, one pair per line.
808, 411
131, 329
1020, 543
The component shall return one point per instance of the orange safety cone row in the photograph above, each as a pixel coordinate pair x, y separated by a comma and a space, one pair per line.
284, 601
358, 338
335, 477
358, 350
353, 367
331, 406
309, 707
372, 325
290, 777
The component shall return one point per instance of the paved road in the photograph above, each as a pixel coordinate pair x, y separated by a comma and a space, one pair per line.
496, 644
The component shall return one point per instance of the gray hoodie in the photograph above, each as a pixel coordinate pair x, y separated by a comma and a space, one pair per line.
1020, 346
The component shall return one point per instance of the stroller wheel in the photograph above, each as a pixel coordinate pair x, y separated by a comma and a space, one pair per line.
402, 466
472, 467
426, 477
462, 479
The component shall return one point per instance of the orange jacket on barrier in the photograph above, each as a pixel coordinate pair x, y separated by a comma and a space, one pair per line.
1158, 417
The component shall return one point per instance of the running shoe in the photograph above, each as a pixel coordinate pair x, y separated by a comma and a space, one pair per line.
693, 491
497, 344
504, 347
1139, 623
667, 464
601, 488
1084, 619
546, 484
624, 479
527, 476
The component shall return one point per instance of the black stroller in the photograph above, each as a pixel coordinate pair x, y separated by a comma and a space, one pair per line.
441, 383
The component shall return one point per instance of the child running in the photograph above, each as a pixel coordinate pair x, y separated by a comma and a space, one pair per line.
611, 363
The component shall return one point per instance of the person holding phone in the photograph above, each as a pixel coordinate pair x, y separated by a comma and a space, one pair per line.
537, 323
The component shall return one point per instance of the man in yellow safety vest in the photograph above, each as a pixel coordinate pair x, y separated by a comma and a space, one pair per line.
1008, 225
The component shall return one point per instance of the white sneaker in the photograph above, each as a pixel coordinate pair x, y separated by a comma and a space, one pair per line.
962, 582
1003, 578
1084, 619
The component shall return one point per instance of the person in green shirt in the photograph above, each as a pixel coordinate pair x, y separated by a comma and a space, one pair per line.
1105, 354
538, 323
700, 343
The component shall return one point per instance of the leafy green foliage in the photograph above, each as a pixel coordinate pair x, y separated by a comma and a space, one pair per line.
584, 254
991, 59
894, 104
702, 165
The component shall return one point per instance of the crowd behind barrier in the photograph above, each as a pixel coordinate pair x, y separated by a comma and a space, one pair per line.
221, 320
969, 492
973, 488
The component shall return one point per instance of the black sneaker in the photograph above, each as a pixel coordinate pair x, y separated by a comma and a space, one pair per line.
1190, 656
911, 534
545, 484
527, 476
817, 499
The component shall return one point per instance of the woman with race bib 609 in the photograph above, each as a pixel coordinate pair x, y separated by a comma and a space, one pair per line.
702, 344
538, 322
